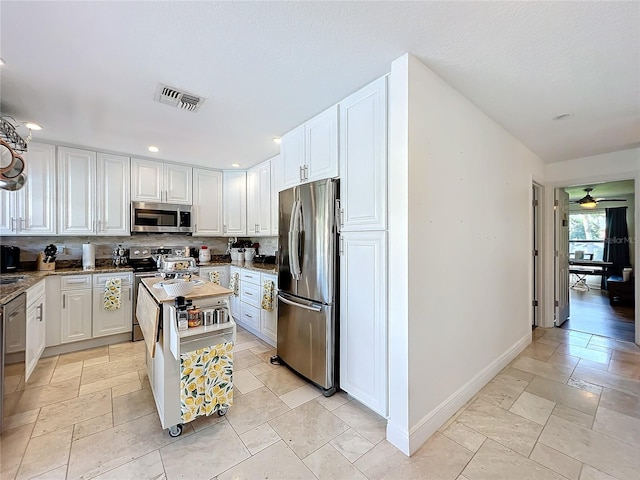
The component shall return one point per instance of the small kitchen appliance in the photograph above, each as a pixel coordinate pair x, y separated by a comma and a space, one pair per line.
9, 259
160, 218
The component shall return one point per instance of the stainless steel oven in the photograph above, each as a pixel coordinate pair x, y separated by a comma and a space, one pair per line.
160, 218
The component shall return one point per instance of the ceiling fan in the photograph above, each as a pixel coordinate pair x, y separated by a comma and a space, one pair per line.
589, 202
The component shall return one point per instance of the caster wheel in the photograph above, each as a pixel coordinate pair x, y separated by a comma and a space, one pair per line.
175, 431
222, 412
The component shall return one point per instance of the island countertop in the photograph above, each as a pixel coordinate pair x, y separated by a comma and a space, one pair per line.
207, 289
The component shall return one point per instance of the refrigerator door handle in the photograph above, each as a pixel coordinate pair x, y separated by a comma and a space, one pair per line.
290, 239
313, 308
294, 241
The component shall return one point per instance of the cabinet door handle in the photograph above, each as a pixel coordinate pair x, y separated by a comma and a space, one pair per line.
129, 294
23, 224
64, 303
306, 172
301, 172
40, 310
13, 222
249, 294
224, 229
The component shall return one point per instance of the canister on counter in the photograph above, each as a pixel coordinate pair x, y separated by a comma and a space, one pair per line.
195, 317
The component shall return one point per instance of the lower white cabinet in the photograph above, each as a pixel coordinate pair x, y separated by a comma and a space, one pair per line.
269, 320
76, 315
363, 318
35, 327
249, 316
110, 322
223, 272
14, 331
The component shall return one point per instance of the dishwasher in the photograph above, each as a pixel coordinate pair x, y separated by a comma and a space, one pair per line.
14, 313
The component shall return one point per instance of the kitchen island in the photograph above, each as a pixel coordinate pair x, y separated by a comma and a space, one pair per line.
190, 371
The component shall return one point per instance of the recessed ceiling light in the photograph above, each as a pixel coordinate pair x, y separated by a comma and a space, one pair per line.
277, 140
235, 164
563, 116
32, 126
2, 62
154, 149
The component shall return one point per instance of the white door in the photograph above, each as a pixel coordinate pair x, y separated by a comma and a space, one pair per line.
178, 184
235, 203
38, 196
292, 155
114, 204
363, 318
321, 146
147, 181
363, 158
207, 202
76, 315
76, 192
109, 322
35, 331
562, 256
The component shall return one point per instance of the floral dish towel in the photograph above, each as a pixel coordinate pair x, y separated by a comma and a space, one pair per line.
267, 295
234, 283
214, 277
112, 294
206, 381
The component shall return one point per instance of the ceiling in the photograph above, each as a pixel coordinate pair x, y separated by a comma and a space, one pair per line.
602, 190
88, 71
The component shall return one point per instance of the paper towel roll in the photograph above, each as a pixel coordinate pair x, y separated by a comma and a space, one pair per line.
88, 256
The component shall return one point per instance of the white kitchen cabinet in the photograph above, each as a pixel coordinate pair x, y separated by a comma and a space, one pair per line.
110, 322
159, 182
363, 318
235, 203
223, 272
32, 209
310, 151
234, 300
249, 312
269, 320
14, 331
53, 324
277, 173
76, 315
207, 202
93, 193
259, 200
363, 158
35, 326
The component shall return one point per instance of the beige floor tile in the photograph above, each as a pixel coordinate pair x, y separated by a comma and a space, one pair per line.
558, 392
59, 473
67, 371
574, 416
210, 452
351, 445
543, 369
539, 351
334, 401
601, 451
46, 453
274, 462
108, 383
244, 359
438, 459
255, 408
95, 361
144, 378
123, 389
625, 369
147, 467
502, 426
66, 413
607, 379
259, 438
37, 397
503, 390
262, 348
259, 368
617, 425
280, 380
563, 360
549, 341
614, 344
117, 446
300, 395
621, 402
308, 427
585, 353
590, 473
20, 419
519, 374
596, 365
568, 337
83, 355
103, 371
42, 374
243, 336
126, 349
463, 435
586, 386
240, 347
626, 356
533, 407
556, 461
497, 462
14, 369
93, 425
328, 464
245, 381
367, 423
11, 383
13, 444
133, 405
200, 423
265, 356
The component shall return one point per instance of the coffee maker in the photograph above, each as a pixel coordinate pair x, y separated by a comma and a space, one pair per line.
9, 259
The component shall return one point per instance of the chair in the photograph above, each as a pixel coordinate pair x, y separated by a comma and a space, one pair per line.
580, 272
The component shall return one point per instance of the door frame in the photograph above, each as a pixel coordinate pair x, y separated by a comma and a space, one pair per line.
536, 239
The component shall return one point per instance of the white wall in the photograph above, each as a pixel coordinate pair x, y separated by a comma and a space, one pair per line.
466, 248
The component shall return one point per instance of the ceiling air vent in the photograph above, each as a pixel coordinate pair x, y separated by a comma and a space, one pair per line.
177, 98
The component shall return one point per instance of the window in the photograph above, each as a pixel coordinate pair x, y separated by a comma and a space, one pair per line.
586, 232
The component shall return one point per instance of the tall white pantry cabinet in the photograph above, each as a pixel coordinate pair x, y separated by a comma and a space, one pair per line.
363, 246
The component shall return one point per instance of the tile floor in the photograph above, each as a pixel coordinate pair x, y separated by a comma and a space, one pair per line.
567, 408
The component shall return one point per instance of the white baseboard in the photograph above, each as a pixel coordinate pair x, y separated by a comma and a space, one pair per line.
431, 422
84, 344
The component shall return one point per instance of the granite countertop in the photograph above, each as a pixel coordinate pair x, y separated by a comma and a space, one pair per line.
259, 267
30, 278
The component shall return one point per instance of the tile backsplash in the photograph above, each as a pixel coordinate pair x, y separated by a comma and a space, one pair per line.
31, 246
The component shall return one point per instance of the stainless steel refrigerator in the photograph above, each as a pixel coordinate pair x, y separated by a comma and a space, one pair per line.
307, 282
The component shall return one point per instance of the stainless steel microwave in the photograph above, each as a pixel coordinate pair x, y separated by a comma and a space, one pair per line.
160, 218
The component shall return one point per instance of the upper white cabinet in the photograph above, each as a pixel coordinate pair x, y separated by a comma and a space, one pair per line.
207, 202
310, 151
31, 210
235, 203
93, 193
259, 200
159, 182
276, 179
363, 158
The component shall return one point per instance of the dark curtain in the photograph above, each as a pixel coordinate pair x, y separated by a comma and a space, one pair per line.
616, 242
